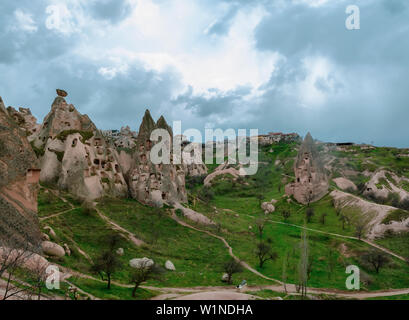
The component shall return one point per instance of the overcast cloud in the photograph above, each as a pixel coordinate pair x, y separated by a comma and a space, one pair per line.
278, 65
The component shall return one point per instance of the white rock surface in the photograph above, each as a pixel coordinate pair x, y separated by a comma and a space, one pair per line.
52, 249
344, 183
225, 277
170, 266
267, 207
141, 263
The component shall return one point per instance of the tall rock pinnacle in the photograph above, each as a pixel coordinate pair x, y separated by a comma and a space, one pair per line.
311, 182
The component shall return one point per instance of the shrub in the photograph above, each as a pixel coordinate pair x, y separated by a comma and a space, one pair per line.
396, 215
86, 135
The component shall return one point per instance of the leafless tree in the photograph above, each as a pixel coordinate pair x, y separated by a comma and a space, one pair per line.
304, 268
108, 261
260, 225
12, 257
360, 227
309, 213
376, 258
286, 214
143, 273
231, 267
265, 252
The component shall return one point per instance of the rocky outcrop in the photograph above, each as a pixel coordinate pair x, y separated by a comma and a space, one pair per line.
383, 183
123, 139
170, 266
365, 212
26, 121
345, 184
141, 263
268, 207
311, 182
63, 117
223, 169
75, 155
52, 249
154, 184
19, 175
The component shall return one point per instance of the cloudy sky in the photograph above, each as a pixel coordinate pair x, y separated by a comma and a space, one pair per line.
275, 65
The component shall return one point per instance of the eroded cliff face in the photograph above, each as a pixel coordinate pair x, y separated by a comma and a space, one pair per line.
154, 184
311, 182
76, 157
19, 176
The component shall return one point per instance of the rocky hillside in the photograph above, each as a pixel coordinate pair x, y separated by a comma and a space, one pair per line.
19, 175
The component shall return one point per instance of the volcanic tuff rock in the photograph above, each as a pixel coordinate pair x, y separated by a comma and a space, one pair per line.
19, 176
311, 182
154, 184
26, 121
76, 157
62, 117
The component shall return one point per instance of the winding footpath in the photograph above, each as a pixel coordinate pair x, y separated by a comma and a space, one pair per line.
172, 293
132, 237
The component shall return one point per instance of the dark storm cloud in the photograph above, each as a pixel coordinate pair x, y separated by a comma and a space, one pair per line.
110, 10
367, 93
367, 96
300, 30
219, 103
111, 103
17, 44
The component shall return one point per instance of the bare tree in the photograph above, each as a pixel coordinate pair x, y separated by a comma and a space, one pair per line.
265, 252
13, 256
360, 229
331, 257
286, 214
323, 217
309, 213
38, 276
303, 267
231, 267
145, 271
260, 225
343, 218
376, 258
108, 262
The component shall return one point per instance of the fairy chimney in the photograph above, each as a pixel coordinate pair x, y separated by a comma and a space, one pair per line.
311, 182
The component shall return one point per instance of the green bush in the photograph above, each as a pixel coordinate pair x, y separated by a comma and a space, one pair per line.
86, 135
396, 215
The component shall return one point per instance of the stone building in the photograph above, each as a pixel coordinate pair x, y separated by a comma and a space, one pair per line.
311, 182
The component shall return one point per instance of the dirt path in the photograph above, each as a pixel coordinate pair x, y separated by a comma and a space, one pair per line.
82, 291
56, 214
172, 293
343, 236
117, 227
244, 264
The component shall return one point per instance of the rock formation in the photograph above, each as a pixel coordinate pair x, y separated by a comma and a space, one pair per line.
311, 182
26, 121
154, 184
62, 117
19, 175
75, 156
123, 139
